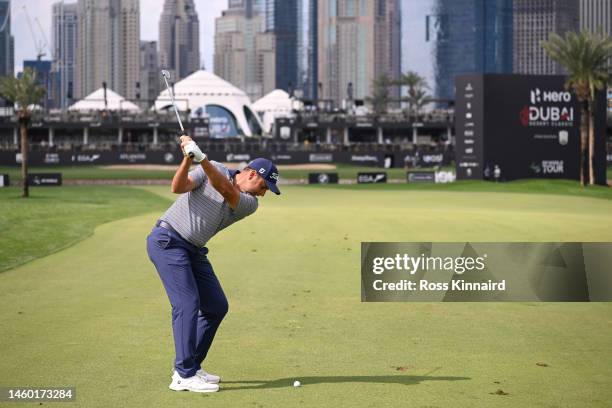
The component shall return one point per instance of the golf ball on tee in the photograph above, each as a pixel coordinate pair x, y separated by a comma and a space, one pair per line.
296, 383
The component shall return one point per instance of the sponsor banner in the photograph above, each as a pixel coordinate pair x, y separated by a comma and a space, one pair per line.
238, 157
421, 177
486, 271
44, 179
534, 132
174, 156
320, 157
432, 159
424, 158
372, 178
85, 158
366, 159
4, 180
445, 177
133, 158
323, 178
469, 126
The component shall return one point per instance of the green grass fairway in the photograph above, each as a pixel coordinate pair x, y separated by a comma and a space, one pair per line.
95, 315
54, 218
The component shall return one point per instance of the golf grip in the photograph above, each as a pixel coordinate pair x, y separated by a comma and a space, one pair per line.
191, 155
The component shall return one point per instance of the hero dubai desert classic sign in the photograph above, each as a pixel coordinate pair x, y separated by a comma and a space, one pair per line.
541, 113
511, 127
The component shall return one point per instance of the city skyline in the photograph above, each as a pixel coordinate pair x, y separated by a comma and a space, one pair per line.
25, 48
416, 53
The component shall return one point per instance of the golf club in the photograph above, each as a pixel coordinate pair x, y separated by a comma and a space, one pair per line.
166, 76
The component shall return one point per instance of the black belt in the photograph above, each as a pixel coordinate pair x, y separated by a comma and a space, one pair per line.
165, 225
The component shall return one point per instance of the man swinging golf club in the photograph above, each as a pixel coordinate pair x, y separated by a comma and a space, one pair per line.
212, 197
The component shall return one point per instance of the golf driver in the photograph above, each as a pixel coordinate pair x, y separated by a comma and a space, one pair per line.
166, 76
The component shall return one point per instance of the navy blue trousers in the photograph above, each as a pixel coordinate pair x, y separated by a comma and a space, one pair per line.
197, 299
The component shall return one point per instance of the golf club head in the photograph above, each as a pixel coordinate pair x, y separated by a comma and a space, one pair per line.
165, 73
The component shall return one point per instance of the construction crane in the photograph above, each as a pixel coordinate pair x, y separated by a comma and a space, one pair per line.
38, 44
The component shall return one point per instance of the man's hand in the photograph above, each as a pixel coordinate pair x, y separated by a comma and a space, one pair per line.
190, 148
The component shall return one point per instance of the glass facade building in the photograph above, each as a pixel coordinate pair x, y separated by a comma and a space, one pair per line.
7, 43
471, 36
282, 20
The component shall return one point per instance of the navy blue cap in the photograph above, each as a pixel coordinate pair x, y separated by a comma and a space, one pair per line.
266, 170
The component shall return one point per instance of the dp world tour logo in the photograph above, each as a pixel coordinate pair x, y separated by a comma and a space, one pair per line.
548, 108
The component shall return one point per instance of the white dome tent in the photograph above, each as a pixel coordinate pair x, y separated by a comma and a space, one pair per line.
229, 108
95, 101
275, 104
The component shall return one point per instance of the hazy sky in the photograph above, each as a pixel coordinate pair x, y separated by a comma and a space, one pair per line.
150, 11
416, 53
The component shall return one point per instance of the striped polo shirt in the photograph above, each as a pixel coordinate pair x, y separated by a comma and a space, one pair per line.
202, 212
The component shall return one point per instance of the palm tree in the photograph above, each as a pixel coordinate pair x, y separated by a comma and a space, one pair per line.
380, 97
417, 86
23, 92
584, 56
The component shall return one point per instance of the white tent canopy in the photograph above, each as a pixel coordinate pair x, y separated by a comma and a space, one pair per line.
277, 100
95, 101
202, 90
274, 105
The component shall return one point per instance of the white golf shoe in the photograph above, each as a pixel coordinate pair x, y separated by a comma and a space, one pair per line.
194, 384
208, 377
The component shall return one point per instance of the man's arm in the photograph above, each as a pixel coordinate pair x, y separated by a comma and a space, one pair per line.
229, 191
218, 180
181, 182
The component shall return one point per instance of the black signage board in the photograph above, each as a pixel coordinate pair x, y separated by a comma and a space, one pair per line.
322, 178
421, 177
44, 179
372, 178
510, 127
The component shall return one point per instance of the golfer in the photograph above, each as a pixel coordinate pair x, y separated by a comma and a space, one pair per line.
212, 198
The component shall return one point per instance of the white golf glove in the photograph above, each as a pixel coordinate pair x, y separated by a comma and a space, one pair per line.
192, 149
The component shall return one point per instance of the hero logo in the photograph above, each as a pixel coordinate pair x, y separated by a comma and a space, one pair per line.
559, 116
538, 96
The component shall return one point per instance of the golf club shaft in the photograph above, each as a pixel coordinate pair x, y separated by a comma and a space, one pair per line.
174, 105
178, 117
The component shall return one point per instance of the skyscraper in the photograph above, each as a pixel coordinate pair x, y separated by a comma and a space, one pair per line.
596, 15
309, 69
358, 41
108, 46
179, 38
7, 42
244, 51
149, 72
64, 37
533, 23
282, 21
471, 36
